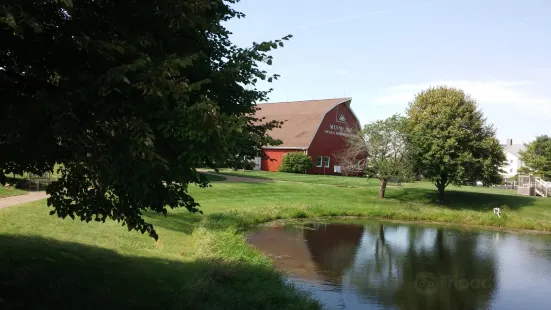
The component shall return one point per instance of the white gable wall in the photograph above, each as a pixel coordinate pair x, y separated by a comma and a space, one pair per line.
513, 164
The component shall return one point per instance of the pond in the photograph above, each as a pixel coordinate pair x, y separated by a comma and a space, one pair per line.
373, 265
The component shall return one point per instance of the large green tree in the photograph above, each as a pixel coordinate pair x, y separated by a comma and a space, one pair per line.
451, 141
537, 157
130, 97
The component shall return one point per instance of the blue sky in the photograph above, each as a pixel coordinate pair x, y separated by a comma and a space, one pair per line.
381, 53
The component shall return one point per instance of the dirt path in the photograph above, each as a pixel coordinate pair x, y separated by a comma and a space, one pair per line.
21, 199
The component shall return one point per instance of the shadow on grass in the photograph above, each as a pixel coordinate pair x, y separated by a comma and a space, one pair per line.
39, 273
462, 199
23, 183
182, 221
240, 174
212, 177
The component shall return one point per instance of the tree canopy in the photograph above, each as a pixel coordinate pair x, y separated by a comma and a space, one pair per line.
380, 150
451, 142
129, 97
537, 157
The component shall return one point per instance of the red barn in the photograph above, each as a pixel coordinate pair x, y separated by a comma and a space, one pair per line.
317, 127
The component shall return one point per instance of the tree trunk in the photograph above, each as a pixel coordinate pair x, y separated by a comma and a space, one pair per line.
441, 188
441, 185
440, 243
381, 233
382, 188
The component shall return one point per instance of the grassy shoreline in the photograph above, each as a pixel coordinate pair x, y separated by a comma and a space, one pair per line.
199, 262
413, 202
204, 261
361, 220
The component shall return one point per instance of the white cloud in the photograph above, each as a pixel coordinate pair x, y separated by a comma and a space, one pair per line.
342, 72
508, 94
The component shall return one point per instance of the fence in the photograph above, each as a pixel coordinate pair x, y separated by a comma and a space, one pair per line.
526, 181
527, 185
507, 186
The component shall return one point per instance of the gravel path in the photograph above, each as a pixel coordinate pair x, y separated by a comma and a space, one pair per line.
21, 199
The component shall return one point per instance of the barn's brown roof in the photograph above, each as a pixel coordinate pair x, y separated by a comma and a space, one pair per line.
302, 119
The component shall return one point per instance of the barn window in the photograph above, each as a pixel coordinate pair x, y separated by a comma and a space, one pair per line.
319, 161
327, 159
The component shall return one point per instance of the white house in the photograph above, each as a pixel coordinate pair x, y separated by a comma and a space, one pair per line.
513, 158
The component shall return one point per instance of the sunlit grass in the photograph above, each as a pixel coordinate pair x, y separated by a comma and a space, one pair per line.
203, 261
306, 178
9, 191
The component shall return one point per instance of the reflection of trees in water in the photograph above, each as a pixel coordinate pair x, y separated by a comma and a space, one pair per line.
333, 248
383, 263
376, 272
455, 275
538, 246
385, 270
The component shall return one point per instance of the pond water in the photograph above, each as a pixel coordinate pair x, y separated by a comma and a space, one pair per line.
395, 266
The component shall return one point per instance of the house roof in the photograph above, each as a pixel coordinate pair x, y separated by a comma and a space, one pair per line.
514, 149
301, 119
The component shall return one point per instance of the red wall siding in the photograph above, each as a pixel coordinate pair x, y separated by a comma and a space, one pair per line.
277, 156
330, 138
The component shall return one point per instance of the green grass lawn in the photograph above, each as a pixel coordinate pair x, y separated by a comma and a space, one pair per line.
306, 178
203, 261
10, 191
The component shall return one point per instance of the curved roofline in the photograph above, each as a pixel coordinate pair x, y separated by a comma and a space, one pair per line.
346, 100
353, 114
278, 102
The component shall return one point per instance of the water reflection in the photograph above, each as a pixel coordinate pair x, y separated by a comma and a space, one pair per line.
449, 274
375, 266
332, 248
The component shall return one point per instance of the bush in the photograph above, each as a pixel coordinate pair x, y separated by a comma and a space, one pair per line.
296, 162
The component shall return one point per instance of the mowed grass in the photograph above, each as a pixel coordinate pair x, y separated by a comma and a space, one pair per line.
199, 262
305, 178
9, 191
260, 202
203, 261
